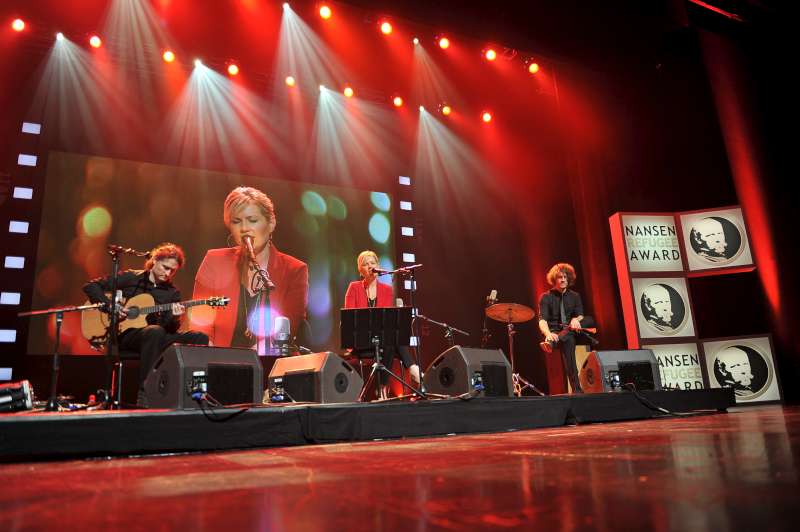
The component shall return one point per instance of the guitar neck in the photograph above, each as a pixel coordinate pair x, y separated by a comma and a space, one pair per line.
166, 306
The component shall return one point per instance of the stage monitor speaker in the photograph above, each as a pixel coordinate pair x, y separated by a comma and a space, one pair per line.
228, 374
315, 378
608, 371
459, 370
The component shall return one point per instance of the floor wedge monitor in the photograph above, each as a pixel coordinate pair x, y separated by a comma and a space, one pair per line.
315, 378
229, 375
608, 371
459, 370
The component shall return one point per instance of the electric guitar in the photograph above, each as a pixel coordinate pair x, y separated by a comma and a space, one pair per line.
94, 323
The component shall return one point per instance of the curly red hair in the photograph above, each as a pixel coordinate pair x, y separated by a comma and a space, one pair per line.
564, 267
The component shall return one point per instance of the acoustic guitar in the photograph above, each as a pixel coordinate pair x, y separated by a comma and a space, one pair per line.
94, 323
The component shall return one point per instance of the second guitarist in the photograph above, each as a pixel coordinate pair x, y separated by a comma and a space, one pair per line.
162, 328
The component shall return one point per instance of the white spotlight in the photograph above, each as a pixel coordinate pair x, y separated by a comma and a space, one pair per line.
321, 88
198, 63
421, 108
59, 36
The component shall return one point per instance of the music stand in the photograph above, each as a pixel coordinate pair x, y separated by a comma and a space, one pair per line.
376, 329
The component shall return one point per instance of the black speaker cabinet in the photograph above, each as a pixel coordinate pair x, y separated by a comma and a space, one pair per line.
460, 370
608, 371
230, 375
315, 378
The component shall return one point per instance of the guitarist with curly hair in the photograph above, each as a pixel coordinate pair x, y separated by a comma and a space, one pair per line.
159, 329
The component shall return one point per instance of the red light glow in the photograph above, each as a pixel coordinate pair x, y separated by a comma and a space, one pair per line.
444, 43
386, 28
486, 116
290, 81
348, 91
533, 68
490, 55
95, 41
233, 69
18, 24
397, 101
168, 56
446, 110
325, 12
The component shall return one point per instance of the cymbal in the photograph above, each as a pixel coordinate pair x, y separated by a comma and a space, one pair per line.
510, 312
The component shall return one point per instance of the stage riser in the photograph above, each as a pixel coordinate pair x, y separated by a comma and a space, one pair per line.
27, 436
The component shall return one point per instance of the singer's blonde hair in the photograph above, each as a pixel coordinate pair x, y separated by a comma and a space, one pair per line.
363, 255
241, 196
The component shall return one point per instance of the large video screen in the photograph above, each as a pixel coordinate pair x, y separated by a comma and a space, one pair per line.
91, 202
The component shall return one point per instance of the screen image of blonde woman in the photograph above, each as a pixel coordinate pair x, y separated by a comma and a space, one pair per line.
91, 202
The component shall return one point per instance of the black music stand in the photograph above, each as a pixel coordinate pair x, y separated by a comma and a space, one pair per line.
376, 329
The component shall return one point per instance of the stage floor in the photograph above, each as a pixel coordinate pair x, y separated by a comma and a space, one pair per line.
724, 471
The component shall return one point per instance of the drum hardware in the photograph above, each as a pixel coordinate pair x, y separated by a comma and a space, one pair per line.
511, 313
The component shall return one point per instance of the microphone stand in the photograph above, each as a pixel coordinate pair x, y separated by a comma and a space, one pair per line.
448, 329
260, 284
410, 271
113, 392
52, 403
485, 336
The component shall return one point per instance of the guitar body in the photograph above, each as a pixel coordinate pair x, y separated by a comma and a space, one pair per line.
94, 323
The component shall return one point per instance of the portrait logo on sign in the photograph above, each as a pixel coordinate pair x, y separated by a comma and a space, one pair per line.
716, 240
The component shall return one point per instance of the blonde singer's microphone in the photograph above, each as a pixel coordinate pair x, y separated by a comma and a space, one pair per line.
281, 335
247, 240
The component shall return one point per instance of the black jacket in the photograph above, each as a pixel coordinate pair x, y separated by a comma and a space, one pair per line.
550, 307
133, 283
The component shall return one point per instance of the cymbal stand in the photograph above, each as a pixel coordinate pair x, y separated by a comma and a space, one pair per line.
519, 382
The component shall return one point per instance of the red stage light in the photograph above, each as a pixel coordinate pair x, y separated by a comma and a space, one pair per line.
415, 40
348, 91
446, 110
444, 43
95, 41
486, 116
290, 81
386, 27
397, 101
168, 56
490, 54
533, 68
233, 69
18, 24
325, 12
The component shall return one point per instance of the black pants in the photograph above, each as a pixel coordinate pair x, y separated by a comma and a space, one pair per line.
566, 345
387, 357
150, 341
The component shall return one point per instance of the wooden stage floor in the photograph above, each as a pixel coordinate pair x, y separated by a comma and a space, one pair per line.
725, 471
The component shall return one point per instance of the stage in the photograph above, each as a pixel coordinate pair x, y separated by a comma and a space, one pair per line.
39, 435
